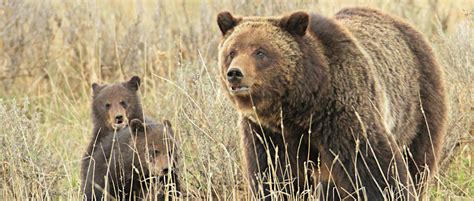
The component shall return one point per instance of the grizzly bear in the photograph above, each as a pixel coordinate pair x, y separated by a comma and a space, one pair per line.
137, 162
347, 107
112, 107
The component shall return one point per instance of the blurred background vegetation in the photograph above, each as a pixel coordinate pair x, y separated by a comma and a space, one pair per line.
51, 51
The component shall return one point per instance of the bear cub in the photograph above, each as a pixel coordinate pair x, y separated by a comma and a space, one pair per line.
136, 162
112, 107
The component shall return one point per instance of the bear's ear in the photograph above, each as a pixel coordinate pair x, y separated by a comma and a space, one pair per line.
133, 83
137, 126
296, 23
226, 21
168, 128
96, 87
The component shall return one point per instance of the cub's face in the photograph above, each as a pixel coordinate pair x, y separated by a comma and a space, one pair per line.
258, 57
155, 145
116, 104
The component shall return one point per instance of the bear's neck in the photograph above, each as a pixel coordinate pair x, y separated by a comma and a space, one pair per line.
98, 132
291, 114
100, 129
311, 100
307, 97
303, 111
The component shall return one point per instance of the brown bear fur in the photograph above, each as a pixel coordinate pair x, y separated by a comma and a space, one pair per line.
110, 101
342, 96
113, 100
131, 162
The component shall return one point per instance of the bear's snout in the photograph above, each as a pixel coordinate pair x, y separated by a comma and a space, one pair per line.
119, 119
237, 81
165, 171
160, 164
234, 75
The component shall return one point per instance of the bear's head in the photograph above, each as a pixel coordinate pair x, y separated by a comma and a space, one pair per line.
156, 148
261, 59
115, 104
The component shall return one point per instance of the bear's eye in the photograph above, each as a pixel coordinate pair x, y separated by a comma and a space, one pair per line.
107, 105
123, 103
260, 54
231, 54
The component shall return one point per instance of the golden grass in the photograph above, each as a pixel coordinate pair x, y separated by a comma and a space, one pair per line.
51, 52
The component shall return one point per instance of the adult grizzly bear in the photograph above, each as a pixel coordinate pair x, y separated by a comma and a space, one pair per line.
137, 162
337, 100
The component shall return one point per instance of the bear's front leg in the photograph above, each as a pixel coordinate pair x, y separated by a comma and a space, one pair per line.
272, 167
95, 182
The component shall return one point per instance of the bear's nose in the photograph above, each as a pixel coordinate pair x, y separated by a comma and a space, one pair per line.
165, 171
234, 74
119, 119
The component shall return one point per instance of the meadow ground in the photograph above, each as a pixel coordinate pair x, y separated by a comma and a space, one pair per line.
51, 52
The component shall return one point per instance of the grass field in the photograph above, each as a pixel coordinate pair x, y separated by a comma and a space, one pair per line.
52, 51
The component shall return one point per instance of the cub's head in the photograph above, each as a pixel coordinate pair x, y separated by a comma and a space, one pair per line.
259, 57
156, 146
114, 104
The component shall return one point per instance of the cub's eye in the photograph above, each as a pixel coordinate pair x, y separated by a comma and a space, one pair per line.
107, 105
260, 54
123, 103
231, 54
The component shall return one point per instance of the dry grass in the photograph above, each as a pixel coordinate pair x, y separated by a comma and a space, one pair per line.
51, 52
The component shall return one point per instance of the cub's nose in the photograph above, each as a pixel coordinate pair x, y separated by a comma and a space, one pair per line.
165, 171
119, 119
234, 74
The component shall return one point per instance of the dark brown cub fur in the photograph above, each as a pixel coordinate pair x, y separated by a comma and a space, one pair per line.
113, 105
137, 162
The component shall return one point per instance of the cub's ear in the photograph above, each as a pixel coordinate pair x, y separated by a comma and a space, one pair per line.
168, 128
137, 126
226, 21
296, 23
96, 87
133, 83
